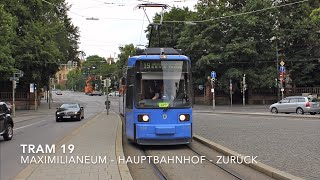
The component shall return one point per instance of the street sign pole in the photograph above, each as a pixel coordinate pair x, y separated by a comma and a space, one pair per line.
35, 98
213, 78
282, 72
13, 98
213, 96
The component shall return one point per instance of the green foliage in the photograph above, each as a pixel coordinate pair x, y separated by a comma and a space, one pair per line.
125, 52
94, 66
44, 37
7, 34
246, 43
315, 15
75, 80
169, 32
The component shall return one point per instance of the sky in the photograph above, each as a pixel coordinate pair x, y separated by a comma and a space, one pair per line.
119, 23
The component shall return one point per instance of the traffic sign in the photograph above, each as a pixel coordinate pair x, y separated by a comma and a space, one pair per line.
14, 78
213, 74
200, 87
282, 63
282, 69
281, 75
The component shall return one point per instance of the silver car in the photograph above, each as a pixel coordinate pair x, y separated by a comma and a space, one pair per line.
296, 104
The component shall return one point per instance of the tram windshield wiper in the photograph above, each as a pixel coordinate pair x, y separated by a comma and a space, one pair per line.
170, 103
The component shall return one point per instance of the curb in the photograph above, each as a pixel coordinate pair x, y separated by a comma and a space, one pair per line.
260, 114
27, 171
123, 168
263, 168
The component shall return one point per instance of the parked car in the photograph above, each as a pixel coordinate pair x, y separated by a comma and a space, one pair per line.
95, 93
6, 122
58, 93
296, 104
69, 111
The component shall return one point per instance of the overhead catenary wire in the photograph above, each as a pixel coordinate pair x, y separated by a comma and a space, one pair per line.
239, 14
195, 21
142, 28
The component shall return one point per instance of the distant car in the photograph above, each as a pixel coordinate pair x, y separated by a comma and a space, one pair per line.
95, 93
58, 93
296, 104
69, 111
6, 122
116, 93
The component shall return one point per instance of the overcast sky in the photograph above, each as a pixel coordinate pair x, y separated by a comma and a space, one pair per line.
119, 23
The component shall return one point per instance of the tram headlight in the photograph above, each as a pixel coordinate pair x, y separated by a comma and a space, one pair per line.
143, 118
184, 117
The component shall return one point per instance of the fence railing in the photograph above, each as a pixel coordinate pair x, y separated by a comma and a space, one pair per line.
6, 96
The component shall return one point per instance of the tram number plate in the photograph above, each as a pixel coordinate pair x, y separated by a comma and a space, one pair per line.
163, 104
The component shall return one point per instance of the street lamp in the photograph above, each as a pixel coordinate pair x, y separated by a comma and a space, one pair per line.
277, 66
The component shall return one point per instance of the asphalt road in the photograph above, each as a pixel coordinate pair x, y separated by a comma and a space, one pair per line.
43, 129
286, 143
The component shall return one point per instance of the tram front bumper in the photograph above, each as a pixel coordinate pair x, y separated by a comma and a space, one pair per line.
164, 134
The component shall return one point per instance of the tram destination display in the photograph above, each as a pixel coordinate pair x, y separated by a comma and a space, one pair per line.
147, 66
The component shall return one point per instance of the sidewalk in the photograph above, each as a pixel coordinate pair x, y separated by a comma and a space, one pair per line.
42, 110
259, 110
96, 139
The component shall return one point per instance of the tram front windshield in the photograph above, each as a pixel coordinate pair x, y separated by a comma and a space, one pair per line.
162, 84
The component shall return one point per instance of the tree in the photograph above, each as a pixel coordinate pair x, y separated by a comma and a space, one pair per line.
7, 34
125, 52
45, 37
299, 42
169, 32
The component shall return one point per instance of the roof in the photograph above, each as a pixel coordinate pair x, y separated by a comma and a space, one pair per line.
132, 60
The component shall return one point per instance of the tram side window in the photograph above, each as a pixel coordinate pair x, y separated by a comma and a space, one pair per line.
129, 90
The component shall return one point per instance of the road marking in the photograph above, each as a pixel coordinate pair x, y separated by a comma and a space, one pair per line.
28, 125
206, 113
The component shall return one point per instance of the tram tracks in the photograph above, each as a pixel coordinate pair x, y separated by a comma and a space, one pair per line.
236, 175
208, 169
204, 170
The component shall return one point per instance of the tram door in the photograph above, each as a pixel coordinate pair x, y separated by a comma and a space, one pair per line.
129, 103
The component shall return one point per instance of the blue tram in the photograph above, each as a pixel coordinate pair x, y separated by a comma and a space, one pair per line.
157, 98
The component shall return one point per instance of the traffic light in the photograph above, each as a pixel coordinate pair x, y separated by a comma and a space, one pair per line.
107, 103
104, 83
108, 84
281, 75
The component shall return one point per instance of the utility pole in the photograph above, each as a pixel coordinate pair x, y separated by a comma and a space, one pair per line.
50, 92
244, 88
108, 84
230, 87
278, 85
